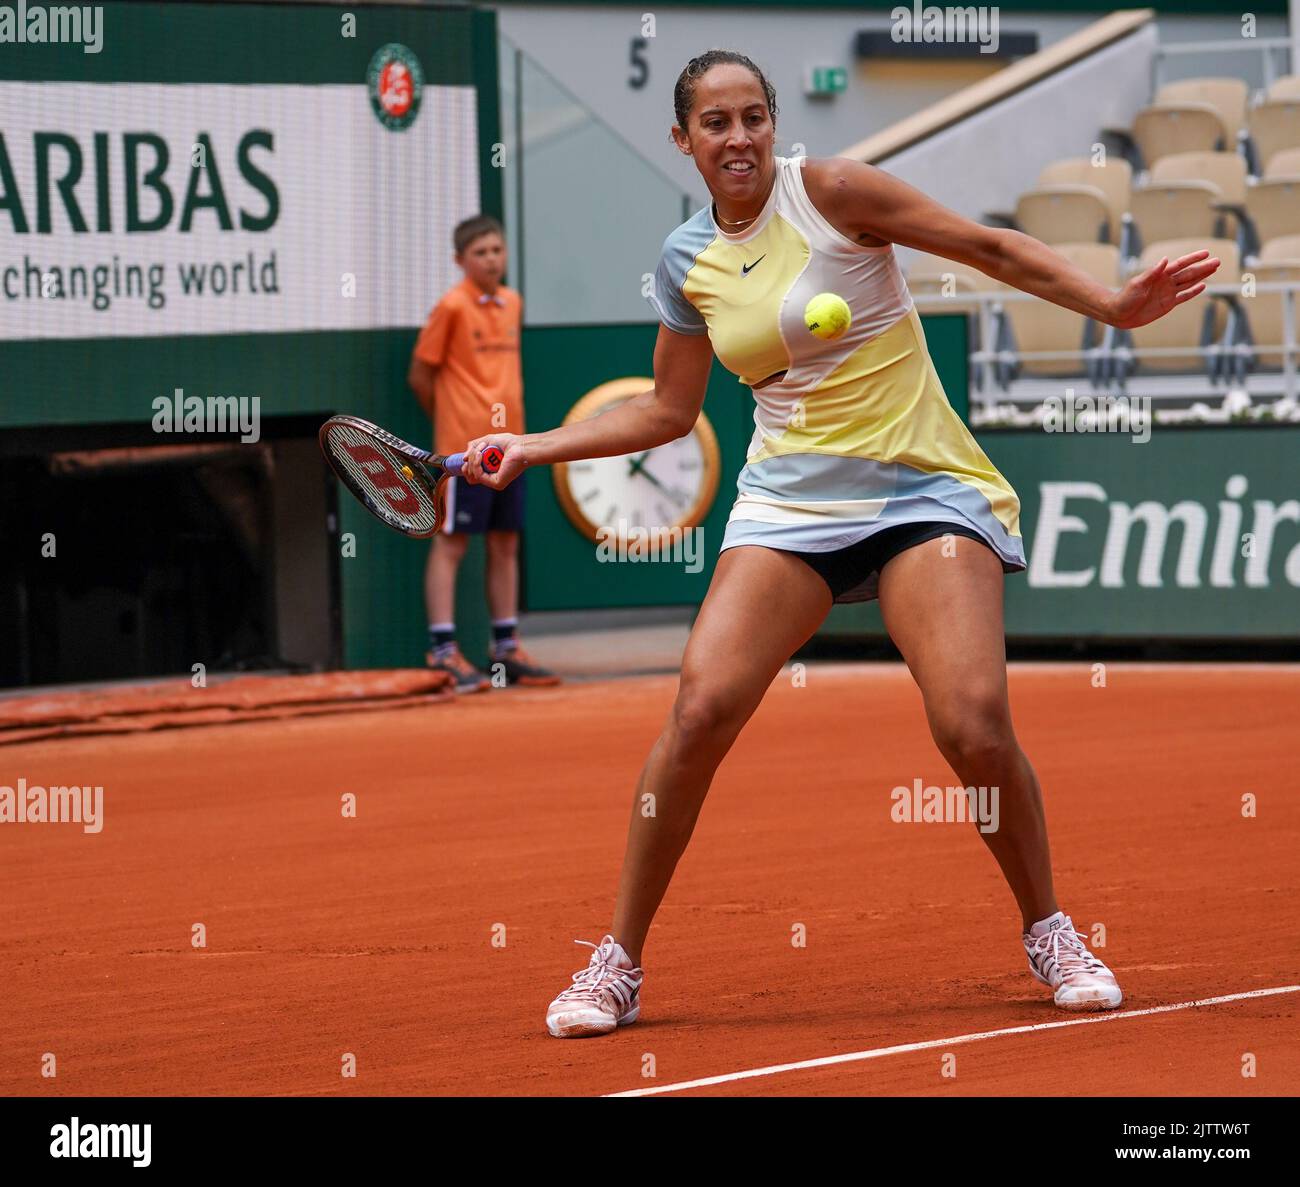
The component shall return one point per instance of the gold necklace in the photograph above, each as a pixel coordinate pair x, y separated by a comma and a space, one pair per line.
728, 221
743, 221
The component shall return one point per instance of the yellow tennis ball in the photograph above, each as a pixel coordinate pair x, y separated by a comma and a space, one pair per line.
827, 315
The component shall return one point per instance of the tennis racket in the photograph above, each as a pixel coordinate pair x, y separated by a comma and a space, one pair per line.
397, 483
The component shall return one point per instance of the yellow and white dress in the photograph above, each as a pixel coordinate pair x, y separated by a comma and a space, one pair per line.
851, 436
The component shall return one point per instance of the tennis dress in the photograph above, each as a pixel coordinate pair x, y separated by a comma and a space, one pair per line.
851, 436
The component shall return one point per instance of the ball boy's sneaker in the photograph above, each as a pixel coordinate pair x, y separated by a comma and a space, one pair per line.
468, 678
518, 667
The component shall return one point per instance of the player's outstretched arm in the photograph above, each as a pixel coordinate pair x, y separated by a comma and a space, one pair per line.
663, 413
864, 198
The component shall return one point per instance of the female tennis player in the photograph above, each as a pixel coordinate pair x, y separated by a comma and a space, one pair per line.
857, 471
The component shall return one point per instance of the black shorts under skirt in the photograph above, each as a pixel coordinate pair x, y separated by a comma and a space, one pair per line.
857, 567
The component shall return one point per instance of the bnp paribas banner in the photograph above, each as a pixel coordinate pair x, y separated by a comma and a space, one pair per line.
1194, 533
197, 170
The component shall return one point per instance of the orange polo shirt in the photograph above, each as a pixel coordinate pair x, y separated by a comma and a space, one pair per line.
473, 340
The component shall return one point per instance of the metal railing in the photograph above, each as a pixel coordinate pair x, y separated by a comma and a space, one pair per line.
1268, 49
1114, 366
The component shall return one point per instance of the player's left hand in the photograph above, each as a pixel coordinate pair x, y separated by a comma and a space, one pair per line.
1151, 294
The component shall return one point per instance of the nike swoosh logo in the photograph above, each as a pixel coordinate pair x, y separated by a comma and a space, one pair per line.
745, 268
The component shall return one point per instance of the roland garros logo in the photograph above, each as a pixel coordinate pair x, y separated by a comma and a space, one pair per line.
395, 81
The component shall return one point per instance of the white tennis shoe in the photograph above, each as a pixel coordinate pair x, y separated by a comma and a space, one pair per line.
604, 996
1059, 957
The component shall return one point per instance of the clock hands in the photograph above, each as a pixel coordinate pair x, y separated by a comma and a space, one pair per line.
636, 465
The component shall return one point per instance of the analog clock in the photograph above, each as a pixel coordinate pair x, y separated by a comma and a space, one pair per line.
671, 486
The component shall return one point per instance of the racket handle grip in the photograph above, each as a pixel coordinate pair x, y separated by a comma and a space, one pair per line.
491, 461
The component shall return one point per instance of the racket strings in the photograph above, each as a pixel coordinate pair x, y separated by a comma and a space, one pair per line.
382, 477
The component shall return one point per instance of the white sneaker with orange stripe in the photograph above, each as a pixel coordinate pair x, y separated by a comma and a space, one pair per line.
604, 996
1059, 957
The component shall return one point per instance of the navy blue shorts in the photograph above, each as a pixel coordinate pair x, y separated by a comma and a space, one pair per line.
476, 509
858, 566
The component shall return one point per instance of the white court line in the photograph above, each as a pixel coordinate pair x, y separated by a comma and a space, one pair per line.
904, 1048
853, 667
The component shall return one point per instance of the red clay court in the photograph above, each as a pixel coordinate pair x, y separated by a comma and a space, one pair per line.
375, 935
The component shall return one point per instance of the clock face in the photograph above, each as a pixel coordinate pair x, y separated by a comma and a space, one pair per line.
655, 489
672, 485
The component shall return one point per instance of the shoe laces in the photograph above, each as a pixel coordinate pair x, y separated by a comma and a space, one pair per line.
1070, 951
601, 975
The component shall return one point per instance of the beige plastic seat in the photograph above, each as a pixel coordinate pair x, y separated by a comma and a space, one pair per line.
1274, 207
933, 276
1266, 310
1043, 326
1227, 170
1181, 209
1064, 214
1181, 327
1285, 249
1274, 125
1228, 96
1160, 131
1286, 87
1114, 179
1285, 163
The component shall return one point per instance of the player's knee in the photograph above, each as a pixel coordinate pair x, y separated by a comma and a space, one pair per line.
704, 714
974, 729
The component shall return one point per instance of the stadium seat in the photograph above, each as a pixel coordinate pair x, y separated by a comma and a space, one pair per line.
1274, 125
1283, 249
1114, 178
1029, 327
1280, 260
1198, 330
933, 276
1228, 97
1178, 209
1285, 163
1274, 208
1161, 130
1286, 87
1265, 313
1064, 214
1225, 171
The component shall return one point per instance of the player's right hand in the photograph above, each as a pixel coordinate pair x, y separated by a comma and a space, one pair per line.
512, 463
